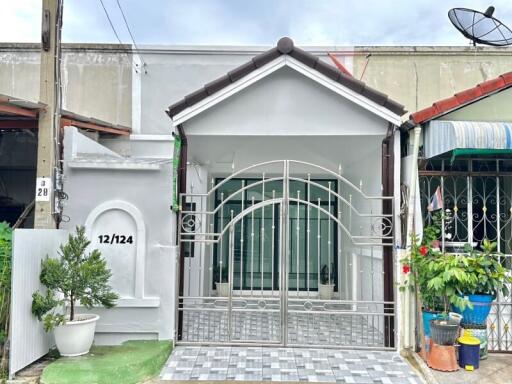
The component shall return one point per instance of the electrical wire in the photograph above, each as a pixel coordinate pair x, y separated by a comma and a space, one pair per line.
110, 22
144, 65
114, 29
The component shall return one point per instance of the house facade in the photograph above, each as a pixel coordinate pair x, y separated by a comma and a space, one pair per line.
283, 173
263, 205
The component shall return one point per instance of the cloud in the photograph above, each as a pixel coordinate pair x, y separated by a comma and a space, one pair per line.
20, 21
246, 22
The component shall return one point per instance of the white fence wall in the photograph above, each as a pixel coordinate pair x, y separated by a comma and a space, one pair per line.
28, 340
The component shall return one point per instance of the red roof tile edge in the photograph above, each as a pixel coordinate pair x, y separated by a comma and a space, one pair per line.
462, 98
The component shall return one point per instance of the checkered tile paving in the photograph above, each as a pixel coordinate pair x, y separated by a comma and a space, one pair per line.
287, 364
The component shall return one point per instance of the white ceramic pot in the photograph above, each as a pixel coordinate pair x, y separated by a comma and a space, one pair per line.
222, 289
75, 337
325, 291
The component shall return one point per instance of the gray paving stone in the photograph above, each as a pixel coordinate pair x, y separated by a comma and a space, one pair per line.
288, 364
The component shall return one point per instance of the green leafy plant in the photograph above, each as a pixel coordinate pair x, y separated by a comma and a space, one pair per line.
76, 275
5, 288
440, 279
490, 275
449, 278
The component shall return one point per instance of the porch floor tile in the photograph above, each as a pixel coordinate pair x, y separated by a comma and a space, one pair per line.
287, 364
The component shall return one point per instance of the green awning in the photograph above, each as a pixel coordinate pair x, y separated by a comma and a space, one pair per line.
480, 152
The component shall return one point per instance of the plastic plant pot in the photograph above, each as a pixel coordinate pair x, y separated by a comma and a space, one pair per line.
442, 358
481, 309
444, 332
427, 317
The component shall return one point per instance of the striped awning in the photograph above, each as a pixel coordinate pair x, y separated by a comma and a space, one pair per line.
445, 136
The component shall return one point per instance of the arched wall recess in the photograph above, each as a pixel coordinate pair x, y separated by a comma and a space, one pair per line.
134, 296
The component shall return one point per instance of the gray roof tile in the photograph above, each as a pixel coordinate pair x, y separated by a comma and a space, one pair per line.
285, 46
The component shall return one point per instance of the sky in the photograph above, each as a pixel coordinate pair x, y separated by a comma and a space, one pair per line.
249, 22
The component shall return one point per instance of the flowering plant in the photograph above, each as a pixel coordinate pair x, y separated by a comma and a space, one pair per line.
439, 278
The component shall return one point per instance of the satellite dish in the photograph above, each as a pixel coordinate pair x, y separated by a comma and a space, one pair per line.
481, 27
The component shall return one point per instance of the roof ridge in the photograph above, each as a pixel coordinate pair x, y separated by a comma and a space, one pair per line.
285, 46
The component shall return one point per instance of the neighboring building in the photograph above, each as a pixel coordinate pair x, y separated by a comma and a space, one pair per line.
465, 154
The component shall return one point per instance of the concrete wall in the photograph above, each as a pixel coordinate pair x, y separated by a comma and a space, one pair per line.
96, 80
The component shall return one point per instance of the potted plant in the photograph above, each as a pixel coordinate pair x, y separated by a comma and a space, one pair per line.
326, 286
449, 276
417, 273
75, 276
221, 279
491, 278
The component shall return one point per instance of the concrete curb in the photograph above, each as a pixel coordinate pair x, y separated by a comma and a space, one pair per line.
423, 368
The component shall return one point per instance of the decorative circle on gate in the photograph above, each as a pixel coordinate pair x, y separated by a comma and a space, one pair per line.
382, 226
262, 304
308, 305
190, 223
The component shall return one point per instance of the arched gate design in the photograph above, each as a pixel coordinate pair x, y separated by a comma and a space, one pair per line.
285, 252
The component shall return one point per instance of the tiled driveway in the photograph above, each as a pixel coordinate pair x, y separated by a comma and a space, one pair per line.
287, 364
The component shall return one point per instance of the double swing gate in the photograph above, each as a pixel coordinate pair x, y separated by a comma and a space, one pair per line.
285, 253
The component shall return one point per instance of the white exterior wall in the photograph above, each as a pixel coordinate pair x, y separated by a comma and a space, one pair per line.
130, 200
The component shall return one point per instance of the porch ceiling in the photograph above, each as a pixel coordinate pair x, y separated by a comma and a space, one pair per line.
219, 153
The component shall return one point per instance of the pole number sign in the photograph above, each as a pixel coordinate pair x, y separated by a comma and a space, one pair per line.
43, 188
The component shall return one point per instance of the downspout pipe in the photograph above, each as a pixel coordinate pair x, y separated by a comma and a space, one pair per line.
409, 230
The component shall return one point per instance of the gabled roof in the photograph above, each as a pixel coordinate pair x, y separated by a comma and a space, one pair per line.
461, 99
285, 46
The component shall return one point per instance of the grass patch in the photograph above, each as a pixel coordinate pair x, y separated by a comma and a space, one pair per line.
129, 363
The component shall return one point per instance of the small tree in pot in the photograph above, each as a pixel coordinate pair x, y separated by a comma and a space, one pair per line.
326, 286
221, 280
75, 276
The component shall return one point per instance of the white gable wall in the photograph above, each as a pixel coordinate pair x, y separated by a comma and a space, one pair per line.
286, 103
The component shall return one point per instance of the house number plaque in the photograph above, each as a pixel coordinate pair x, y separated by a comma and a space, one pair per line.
115, 238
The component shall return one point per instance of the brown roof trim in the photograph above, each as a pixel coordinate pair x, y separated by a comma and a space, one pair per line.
72, 119
285, 46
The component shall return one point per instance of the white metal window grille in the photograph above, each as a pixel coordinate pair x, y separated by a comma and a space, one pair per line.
478, 195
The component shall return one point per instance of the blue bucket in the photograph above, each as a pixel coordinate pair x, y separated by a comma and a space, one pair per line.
481, 309
427, 316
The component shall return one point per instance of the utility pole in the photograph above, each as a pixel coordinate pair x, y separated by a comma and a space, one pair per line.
49, 119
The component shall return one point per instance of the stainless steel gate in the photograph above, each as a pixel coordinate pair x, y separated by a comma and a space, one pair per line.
288, 253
